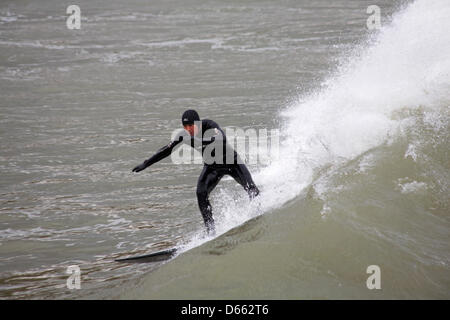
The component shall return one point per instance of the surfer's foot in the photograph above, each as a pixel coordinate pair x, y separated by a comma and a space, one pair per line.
210, 229
253, 192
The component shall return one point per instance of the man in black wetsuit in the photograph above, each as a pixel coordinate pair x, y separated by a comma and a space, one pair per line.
218, 156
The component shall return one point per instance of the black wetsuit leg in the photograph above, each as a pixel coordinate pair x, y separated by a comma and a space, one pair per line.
207, 181
242, 176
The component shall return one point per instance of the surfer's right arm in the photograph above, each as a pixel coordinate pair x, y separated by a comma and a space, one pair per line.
160, 154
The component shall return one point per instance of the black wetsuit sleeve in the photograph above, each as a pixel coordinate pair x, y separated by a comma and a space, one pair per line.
159, 155
204, 141
215, 132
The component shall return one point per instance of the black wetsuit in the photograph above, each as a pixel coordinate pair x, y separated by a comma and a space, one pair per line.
217, 163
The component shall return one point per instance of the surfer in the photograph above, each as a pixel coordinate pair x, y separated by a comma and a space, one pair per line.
219, 159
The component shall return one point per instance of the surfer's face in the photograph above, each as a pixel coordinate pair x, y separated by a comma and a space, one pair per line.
191, 128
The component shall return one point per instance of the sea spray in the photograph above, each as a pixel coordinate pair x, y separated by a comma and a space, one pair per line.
406, 66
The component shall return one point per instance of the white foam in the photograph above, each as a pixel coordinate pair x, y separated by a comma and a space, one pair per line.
411, 187
406, 66
214, 42
115, 57
411, 152
366, 163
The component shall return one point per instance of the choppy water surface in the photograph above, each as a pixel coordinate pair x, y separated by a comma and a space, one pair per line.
363, 176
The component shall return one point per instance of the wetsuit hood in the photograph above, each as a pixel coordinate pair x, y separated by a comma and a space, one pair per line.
189, 117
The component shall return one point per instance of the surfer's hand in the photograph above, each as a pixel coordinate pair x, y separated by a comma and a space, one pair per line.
139, 168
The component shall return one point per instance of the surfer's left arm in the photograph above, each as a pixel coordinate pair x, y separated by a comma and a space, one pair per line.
159, 155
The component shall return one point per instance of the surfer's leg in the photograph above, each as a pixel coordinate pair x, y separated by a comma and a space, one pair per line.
242, 176
207, 181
